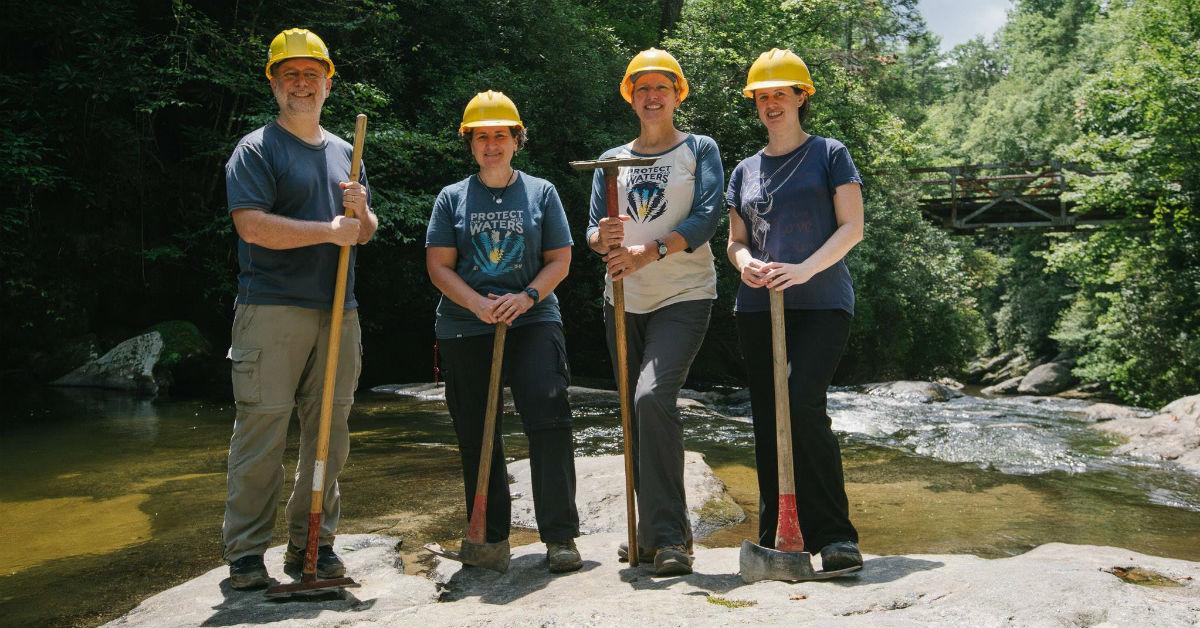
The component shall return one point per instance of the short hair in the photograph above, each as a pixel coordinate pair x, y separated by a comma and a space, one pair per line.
518, 132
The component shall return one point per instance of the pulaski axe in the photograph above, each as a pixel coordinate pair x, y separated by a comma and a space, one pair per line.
611, 167
787, 561
475, 550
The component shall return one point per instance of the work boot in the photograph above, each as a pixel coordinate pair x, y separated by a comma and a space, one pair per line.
328, 563
672, 560
563, 556
248, 572
840, 555
645, 554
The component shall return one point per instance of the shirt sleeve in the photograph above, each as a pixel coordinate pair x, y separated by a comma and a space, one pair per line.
441, 223
733, 193
555, 232
597, 207
700, 225
841, 168
249, 183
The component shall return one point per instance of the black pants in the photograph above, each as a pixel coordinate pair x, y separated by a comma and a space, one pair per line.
535, 369
816, 340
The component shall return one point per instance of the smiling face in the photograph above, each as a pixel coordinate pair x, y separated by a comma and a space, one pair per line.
493, 146
779, 107
654, 97
300, 86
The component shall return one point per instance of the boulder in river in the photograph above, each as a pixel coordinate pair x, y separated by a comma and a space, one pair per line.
1098, 412
1006, 387
128, 366
147, 363
600, 495
1047, 379
1052, 585
1172, 434
924, 392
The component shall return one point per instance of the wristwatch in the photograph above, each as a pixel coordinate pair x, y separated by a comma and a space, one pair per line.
662, 248
533, 294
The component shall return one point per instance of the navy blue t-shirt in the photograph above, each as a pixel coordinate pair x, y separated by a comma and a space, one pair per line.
500, 245
278, 173
786, 202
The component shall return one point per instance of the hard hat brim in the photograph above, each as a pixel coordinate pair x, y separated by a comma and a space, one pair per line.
329, 72
681, 83
481, 123
748, 90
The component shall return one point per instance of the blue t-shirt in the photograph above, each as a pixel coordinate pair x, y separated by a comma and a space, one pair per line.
278, 173
500, 245
786, 202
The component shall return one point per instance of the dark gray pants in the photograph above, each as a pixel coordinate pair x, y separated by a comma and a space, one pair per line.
535, 369
661, 346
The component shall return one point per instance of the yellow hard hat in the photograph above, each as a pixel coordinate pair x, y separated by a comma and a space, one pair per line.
298, 43
650, 60
778, 68
490, 109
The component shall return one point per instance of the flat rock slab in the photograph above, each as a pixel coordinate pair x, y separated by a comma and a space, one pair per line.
600, 495
1052, 585
1172, 434
370, 559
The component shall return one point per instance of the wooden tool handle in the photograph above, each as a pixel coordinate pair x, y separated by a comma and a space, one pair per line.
477, 529
787, 530
316, 505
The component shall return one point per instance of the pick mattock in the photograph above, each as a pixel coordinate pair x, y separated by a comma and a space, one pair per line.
788, 561
475, 549
611, 168
308, 580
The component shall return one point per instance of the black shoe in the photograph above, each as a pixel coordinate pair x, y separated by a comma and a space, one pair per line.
328, 563
840, 555
248, 572
672, 560
563, 556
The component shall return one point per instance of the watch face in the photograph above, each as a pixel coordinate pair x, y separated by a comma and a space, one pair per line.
662, 249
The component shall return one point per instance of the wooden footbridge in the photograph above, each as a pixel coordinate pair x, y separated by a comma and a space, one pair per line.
1028, 196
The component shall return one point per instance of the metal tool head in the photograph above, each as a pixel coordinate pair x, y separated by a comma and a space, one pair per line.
756, 562
613, 162
310, 588
493, 556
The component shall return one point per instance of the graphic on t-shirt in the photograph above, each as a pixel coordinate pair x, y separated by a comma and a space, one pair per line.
499, 241
758, 205
647, 193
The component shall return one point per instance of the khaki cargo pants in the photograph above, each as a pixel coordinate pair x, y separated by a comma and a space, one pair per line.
278, 355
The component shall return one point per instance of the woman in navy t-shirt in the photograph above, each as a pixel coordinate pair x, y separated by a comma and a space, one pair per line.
496, 247
795, 210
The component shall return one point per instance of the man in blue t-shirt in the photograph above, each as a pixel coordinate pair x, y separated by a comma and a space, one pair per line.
288, 196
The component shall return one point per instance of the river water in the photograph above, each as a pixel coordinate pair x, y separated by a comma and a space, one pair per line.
110, 499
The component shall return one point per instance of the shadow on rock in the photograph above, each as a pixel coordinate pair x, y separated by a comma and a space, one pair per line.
887, 569
252, 607
642, 579
526, 574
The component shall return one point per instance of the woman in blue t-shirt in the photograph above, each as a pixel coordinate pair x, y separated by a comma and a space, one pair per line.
659, 249
795, 210
497, 246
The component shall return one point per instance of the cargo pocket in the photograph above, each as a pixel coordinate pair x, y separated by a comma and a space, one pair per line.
247, 387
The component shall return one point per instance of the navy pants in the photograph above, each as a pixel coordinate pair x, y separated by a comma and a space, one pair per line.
535, 369
816, 340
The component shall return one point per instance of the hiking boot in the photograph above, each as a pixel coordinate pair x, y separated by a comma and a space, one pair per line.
645, 554
672, 560
328, 563
248, 572
840, 555
563, 556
